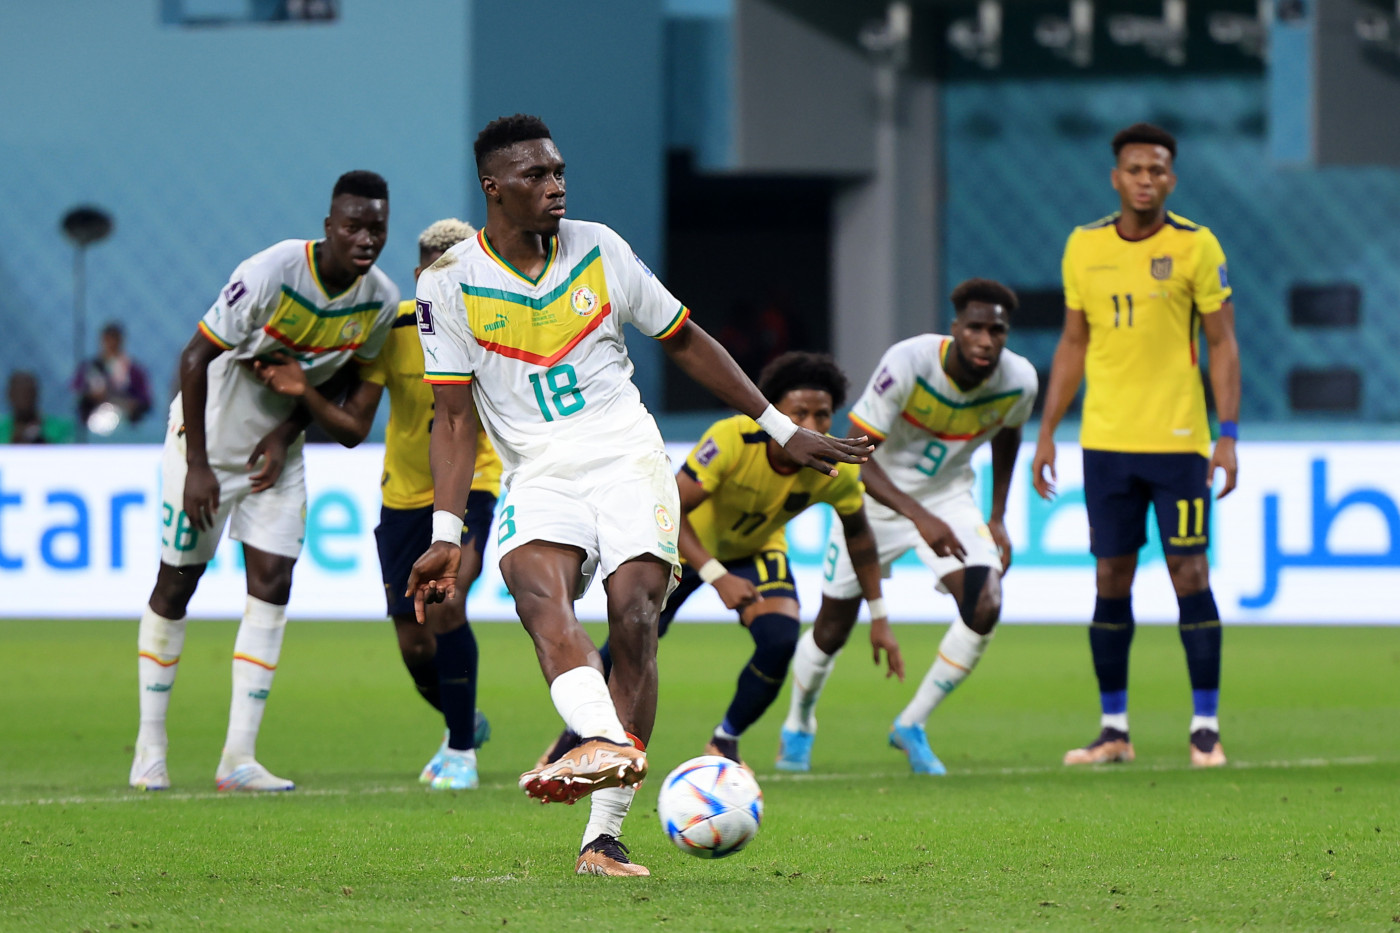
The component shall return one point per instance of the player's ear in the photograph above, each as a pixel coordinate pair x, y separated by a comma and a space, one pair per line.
489, 187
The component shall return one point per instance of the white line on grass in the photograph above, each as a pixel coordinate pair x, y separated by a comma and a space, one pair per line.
132, 796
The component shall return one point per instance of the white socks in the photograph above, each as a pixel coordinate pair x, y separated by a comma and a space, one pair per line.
1117, 721
1205, 722
581, 696
609, 806
255, 654
159, 642
810, 668
958, 654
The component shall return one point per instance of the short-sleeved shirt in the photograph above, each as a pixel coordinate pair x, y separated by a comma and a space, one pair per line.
750, 501
275, 301
1143, 300
545, 356
927, 426
407, 482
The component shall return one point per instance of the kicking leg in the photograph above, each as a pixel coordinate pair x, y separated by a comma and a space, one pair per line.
543, 578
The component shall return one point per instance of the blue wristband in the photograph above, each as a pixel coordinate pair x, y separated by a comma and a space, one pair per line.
1230, 429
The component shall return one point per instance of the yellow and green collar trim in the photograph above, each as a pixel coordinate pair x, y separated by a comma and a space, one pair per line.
316, 276
500, 260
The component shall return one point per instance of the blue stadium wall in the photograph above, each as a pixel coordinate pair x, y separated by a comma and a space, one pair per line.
1026, 161
209, 143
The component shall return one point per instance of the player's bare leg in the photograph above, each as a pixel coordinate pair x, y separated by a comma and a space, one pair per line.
812, 664
543, 577
1200, 631
159, 641
636, 594
256, 652
977, 590
1110, 639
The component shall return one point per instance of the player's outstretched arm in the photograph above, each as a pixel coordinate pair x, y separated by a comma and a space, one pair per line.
734, 590
865, 559
702, 358
931, 528
1066, 373
1005, 444
201, 498
452, 455
1225, 384
348, 422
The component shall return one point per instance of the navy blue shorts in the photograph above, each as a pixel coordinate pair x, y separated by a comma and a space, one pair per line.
770, 571
404, 534
1118, 487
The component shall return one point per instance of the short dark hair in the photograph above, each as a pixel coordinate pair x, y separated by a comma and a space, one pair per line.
799, 369
504, 132
1144, 133
361, 184
987, 290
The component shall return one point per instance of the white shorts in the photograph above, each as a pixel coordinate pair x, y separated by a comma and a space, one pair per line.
273, 520
629, 509
895, 535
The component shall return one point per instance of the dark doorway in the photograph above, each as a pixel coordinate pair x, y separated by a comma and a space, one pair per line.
751, 257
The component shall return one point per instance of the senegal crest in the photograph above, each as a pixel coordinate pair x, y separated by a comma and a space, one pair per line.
1162, 267
351, 331
584, 301
664, 520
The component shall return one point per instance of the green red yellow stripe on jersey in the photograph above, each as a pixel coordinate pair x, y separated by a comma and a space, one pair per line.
540, 330
866, 428
676, 324
448, 379
302, 325
214, 338
951, 420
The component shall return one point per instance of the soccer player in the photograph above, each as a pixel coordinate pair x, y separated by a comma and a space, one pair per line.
324, 303
440, 655
738, 490
932, 402
1139, 284
523, 324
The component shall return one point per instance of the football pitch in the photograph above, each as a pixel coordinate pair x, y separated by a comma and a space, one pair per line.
1300, 831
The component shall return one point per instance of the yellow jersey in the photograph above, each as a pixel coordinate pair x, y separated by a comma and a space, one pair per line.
1143, 300
407, 482
750, 502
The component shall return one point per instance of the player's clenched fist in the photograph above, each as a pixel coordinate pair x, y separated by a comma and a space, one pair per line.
433, 578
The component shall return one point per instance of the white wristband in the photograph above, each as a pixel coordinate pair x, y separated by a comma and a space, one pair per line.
778, 425
877, 609
711, 570
447, 527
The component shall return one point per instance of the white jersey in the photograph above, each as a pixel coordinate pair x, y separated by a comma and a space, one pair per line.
545, 357
927, 426
275, 301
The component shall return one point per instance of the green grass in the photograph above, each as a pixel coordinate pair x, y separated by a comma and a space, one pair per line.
1302, 831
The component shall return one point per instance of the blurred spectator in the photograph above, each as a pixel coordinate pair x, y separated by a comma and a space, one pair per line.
24, 424
111, 387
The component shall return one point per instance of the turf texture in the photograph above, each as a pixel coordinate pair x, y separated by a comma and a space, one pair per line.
1300, 831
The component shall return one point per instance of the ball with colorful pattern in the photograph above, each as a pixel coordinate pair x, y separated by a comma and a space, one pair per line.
710, 807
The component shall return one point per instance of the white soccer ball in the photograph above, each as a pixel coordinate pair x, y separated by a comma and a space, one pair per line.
710, 807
